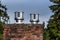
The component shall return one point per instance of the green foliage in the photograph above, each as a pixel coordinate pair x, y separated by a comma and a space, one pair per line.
1, 27
46, 34
1, 36
1, 31
53, 28
55, 1
3, 16
3, 13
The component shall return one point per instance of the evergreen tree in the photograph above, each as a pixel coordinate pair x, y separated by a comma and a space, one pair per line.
3, 18
3, 13
53, 27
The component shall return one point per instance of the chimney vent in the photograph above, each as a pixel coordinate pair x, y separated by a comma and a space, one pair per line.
34, 18
19, 17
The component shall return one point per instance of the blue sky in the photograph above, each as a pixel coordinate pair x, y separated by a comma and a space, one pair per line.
28, 6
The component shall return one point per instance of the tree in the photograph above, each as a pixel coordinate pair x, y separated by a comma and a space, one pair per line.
3, 13
3, 19
53, 27
46, 34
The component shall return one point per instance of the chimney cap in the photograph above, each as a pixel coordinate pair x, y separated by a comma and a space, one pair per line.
19, 17
34, 20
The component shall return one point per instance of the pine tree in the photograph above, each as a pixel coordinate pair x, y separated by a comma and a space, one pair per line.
53, 27
4, 16
3, 13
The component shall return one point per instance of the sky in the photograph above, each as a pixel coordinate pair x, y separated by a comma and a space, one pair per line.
28, 6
